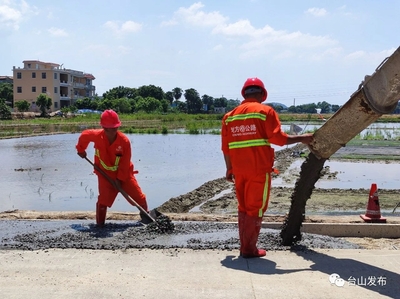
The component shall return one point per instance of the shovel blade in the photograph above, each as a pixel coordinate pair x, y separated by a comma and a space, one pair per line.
150, 217
154, 213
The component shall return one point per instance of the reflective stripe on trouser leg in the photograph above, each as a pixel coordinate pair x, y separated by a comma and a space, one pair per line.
265, 195
252, 193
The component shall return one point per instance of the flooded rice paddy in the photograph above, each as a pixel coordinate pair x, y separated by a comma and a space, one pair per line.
45, 174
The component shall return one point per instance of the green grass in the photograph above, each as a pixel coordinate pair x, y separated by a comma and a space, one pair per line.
369, 157
157, 123
373, 142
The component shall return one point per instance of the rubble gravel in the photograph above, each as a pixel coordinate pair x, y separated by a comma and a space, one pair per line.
116, 235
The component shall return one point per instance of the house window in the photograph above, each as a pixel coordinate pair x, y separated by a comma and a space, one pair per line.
55, 105
55, 76
19, 75
43, 75
33, 75
33, 88
44, 89
19, 89
55, 89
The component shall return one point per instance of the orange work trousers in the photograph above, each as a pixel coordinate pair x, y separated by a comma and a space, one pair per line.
108, 193
252, 192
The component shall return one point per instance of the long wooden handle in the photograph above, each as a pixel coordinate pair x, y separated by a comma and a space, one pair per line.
126, 195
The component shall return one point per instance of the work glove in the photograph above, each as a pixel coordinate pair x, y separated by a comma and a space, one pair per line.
82, 154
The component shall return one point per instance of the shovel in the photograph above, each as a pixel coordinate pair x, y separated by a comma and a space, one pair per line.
146, 217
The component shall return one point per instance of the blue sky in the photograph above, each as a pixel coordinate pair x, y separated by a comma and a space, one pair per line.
304, 51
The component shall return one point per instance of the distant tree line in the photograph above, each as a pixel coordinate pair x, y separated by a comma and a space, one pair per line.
306, 108
152, 99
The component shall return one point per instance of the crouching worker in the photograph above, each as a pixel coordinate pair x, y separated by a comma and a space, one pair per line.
113, 157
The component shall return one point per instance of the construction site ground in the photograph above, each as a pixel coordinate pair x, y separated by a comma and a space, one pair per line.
215, 201
63, 254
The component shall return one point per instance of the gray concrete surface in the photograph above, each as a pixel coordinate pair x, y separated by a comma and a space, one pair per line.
356, 230
186, 273
84, 234
75, 259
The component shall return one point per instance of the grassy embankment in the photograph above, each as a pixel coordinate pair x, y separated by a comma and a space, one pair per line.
133, 123
142, 123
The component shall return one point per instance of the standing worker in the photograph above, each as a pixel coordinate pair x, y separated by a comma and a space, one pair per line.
113, 156
247, 134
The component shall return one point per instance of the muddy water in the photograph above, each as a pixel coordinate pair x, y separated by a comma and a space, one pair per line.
349, 175
44, 173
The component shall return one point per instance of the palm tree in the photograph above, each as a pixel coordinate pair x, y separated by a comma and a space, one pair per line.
177, 93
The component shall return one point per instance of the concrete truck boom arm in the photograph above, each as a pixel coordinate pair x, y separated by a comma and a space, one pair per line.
378, 94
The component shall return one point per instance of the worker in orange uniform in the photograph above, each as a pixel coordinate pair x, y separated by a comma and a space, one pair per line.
113, 156
247, 134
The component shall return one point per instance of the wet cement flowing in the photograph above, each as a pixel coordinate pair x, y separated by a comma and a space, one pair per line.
309, 175
117, 235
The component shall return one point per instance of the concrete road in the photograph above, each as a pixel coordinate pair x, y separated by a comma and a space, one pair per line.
186, 273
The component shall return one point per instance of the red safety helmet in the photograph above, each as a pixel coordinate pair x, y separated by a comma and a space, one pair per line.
109, 119
256, 83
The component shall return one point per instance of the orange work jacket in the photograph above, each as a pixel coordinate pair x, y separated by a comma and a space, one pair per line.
247, 134
114, 159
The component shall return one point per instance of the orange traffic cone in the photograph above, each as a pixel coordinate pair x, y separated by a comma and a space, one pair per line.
373, 213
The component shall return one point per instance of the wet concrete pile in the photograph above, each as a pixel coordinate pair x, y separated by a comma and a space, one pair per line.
162, 225
184, 203
83, 234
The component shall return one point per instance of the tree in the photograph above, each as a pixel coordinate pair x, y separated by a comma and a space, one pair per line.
165, 106
22, 106
325, 107
152, 91
177, 93
106, 104
220, 102
122, 105
6, 92
86, 103
120, 92
181, 106
209, 101
306, 108
277, 107
169, 97
44, 102
5, 112
336, 108
193, 101
148, 105
232, 104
